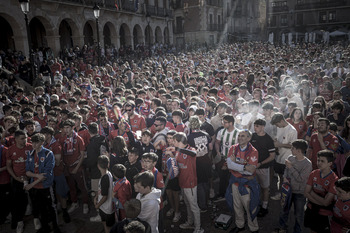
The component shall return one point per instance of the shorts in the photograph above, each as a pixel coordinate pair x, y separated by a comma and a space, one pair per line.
279, 168
263, 175
108, 218
61, 186
173, 184
94, 185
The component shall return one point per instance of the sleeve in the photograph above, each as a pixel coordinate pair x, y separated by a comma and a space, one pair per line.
309, 180
142, 123
332, 186
104, 185
311, 141
253, 159
234, 166
219, 135
149, 213
334, 144
81, 144
187, 152
160, 181
49, 164
270, 144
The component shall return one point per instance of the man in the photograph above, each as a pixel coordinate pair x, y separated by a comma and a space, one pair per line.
159, 139
39, 168
242, 160
265, 145
268, 112
345, 91
286, 134
216, 120
177, 116
15, 163
225, 138
73, 154
321, 140
136, 121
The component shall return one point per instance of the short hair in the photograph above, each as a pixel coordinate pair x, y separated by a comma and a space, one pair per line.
171, 132
223, 105
119, 171
69, 123
19, 133
38, 137
247, 131
132, 208
146, 132
177, 113
93, 128
103, 161
276, 118
47, 130
260, 122
337, 105
229, 118
200, 112
181, 137
292, 104
135, 227
333, 126
267, 105
157, 102
134, 151
161, 119
146, 179
343, 183
300, 144
325, 120
150, 155
328, 154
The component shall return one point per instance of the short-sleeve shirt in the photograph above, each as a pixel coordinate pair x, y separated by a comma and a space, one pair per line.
330, 141
323, 185
227, 139
301, 128
285, 135
137, 122
265, 146
341, 214
188, 172
18, 157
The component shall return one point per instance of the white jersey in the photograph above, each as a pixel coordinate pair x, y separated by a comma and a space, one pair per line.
227, 140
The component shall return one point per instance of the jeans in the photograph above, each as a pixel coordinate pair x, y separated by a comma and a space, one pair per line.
202, 195
20, 201
299, 201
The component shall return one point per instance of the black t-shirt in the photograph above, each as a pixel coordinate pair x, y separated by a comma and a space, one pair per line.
207, 127
264, 145
131, 171
104, 185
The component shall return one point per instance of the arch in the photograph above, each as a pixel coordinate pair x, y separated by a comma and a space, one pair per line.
38, 33
88, 34
166, 36
6, 36
137, 34
125, 35
158, 35
65, 32
109, 33
148, 35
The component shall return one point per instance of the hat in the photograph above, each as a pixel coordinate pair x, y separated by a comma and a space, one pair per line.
277, 117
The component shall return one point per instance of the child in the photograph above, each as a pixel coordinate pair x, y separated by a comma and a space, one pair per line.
320, 191
145, 145
122, 190
340, 221
149, 197
132, 210
298, 169
103, 201
133, 167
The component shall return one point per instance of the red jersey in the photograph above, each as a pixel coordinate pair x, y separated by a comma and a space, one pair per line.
18, 157
137, 122
71, 148
341, 216
180, 127
247, 156
122, 191
322, 185
9, 141
90, 120
330, 141
36, 171
56, 148
301, 127
5, 177
42, 122
84, 134
188, 172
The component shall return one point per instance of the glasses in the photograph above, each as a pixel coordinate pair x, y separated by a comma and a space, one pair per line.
128, 110
156, 125
225, 122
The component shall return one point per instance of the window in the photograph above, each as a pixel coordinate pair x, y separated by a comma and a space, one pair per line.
323, 17
300, 19
284, 20
332, 16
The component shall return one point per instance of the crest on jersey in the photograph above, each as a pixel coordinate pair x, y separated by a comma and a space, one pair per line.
135, 121
346, 207
300, 126
184, 156
326, 143
326, 182
42, 159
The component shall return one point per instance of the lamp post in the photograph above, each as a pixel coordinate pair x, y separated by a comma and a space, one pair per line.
25, 9
183, 24
148, 19
97, 15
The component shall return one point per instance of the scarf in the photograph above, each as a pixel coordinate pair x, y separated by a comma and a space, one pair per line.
69, 144
102, 131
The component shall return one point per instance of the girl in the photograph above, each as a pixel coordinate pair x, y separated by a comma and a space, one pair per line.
298, 122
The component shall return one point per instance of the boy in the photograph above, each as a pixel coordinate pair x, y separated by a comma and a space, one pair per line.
297, 171
149, 197
320, 192
133, 167
340, 221
103, 201
121, 190
145, 145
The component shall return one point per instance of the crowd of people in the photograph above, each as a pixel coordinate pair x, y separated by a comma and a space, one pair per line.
134, 134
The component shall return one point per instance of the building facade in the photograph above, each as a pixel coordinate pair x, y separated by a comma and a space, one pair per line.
60, 24
291, 21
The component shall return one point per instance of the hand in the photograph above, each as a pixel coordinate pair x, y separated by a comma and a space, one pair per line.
277, 143
250, 168
75, 170
28, 187
19, 179
41, 176
288, 163
320, 138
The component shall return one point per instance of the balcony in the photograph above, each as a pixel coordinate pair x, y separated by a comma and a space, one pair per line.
276, 9
129, 6
215, 27
316, 5
217, 3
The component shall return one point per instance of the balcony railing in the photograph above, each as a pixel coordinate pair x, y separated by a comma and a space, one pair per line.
215, 27
214, 3
315, 5
280, 8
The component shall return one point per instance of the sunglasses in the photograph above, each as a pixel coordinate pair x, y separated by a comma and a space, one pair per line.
128, 110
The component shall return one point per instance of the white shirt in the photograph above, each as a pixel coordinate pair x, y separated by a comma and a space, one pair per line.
285, 135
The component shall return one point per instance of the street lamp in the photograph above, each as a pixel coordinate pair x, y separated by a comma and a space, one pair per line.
25, 9
97, 15
148, 19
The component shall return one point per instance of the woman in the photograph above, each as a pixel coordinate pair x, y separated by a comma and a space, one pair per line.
313, 128
119, 151
297, 121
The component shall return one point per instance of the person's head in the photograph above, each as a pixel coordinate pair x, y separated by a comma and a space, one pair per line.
337, 107
37, 141
133, 155
291, 106
194, 123
143, 182
118, 171
93, 128
297, 114
20, 138
177, 116
180, 140
132, 208
134, 227
9, 121
170, 137
119, 146
278, 120
175, 104
48, 133
244, 137
200, 112
323, 125
146, 137
342, 187
299, 146
149, 161
221, 108
103, 162
29, 126
68, 126
228, 121
325, 159
129, 107
259, 126
267, 108
160, 123
333, 128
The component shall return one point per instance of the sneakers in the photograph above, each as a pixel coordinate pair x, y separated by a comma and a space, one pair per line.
37, 224
85, 208
211, 194
177, 217
263, 212
279, 230
186, 225
97, 218
170, 212
200, 230
20, 226
73, 207
276, 197
66, 217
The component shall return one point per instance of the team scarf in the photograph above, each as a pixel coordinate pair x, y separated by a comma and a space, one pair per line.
102, 130
69, 144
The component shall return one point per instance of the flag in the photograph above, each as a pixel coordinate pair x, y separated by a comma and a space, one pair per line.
116, 4
136, 5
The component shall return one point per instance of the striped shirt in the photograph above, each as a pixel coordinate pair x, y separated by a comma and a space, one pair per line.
227, 139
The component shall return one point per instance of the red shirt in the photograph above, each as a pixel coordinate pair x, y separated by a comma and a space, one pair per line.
188, 172
330, 141
42, 122
5, 177
71, 153
322, 185
301, 127
122, 191
169, 126
36, 171
84, 134
56, 148
180, 127
137, 122
18, 157
248, 156
341, 214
